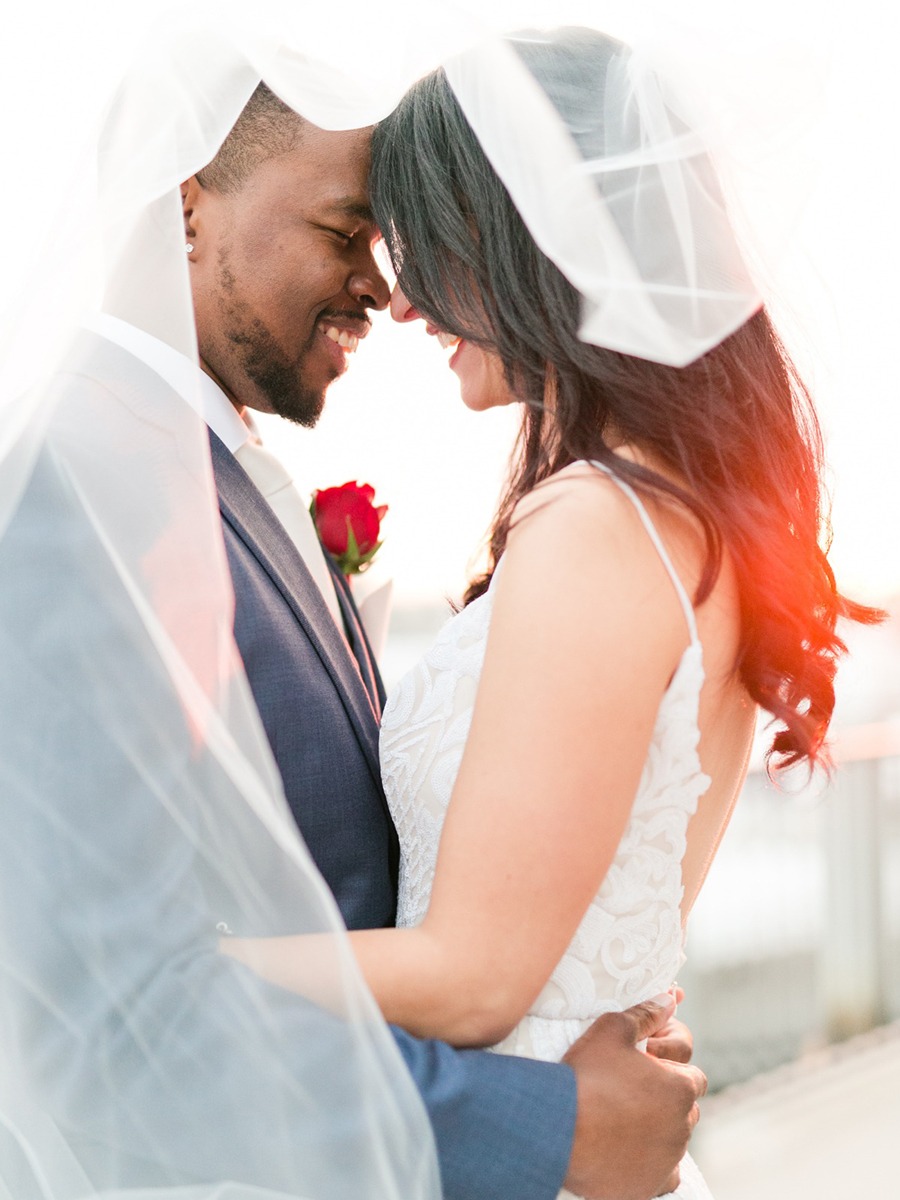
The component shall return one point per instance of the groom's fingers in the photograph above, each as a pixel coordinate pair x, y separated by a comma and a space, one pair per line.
675, 1178
674, 1042
642, 1021
694, 1079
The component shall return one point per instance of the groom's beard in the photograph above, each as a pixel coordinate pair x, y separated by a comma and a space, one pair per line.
278, 377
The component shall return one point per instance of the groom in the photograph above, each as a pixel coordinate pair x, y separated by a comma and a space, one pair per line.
280, 242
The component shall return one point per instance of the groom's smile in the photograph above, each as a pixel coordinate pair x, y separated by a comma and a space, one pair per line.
283, 272
343, 331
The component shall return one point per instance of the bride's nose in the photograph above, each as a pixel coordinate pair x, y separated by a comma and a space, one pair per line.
401, 309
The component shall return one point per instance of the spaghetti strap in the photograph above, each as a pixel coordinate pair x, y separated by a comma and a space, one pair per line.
657, 541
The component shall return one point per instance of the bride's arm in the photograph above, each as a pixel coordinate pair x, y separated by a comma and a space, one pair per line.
585, 634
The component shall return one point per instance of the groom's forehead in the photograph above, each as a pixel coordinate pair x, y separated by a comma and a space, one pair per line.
337, 150
329, 169
332, 165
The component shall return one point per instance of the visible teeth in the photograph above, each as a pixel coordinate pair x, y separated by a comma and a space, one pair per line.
447, 339
349, 341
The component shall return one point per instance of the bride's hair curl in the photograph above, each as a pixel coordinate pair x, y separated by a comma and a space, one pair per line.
737, 425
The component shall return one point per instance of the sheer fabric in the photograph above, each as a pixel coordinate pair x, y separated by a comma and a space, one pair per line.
142, 816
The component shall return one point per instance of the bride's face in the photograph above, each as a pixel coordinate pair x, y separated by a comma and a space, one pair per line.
482, 383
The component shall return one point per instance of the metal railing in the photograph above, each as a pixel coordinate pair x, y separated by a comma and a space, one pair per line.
795, 939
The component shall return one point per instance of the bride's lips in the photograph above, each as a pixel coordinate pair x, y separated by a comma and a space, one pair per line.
446, 341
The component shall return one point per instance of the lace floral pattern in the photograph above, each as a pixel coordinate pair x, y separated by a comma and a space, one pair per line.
628, 947
423, 735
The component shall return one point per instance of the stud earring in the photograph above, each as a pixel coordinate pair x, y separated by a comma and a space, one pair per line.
189, 248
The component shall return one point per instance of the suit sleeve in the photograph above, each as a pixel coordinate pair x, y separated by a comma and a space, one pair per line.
503, 1126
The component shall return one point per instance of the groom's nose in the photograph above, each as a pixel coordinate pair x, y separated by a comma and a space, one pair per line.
401, 309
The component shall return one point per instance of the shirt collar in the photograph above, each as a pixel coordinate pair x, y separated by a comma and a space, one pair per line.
181, 374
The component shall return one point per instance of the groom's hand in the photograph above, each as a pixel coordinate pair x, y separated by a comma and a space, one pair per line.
674, 1040
636, 1112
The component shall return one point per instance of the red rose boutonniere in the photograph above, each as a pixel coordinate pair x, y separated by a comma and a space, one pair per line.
349, 524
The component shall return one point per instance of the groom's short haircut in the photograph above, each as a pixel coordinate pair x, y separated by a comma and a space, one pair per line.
266, 128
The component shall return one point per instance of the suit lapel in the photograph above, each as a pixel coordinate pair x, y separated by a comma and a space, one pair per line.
252, 520
359, 641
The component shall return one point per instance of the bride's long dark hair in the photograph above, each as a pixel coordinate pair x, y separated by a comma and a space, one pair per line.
736, 426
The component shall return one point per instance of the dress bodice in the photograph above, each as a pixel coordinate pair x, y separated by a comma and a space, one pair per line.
628, 946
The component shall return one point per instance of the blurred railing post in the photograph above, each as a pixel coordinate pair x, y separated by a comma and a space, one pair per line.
852, 968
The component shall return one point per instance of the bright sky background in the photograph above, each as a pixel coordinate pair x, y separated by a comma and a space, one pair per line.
396, 420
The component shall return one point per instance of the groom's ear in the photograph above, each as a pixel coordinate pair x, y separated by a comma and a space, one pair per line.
191, 190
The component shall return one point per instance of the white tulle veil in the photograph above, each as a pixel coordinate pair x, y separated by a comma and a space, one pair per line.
141, 808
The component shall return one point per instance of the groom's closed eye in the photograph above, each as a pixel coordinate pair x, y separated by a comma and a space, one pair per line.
341, 234
352, 213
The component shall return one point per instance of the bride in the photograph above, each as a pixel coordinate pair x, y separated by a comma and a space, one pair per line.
562, 764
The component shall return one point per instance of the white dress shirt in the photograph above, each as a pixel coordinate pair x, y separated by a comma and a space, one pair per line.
237, 433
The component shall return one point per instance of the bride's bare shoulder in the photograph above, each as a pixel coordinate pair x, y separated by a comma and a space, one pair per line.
577, 524
577, 483
586, 509
598, 495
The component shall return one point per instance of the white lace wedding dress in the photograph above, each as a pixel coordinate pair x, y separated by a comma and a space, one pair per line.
628, 947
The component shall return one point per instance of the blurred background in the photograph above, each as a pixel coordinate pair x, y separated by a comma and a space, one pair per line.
793, 978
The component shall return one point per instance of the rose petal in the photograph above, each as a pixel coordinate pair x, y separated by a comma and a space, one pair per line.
348, 505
